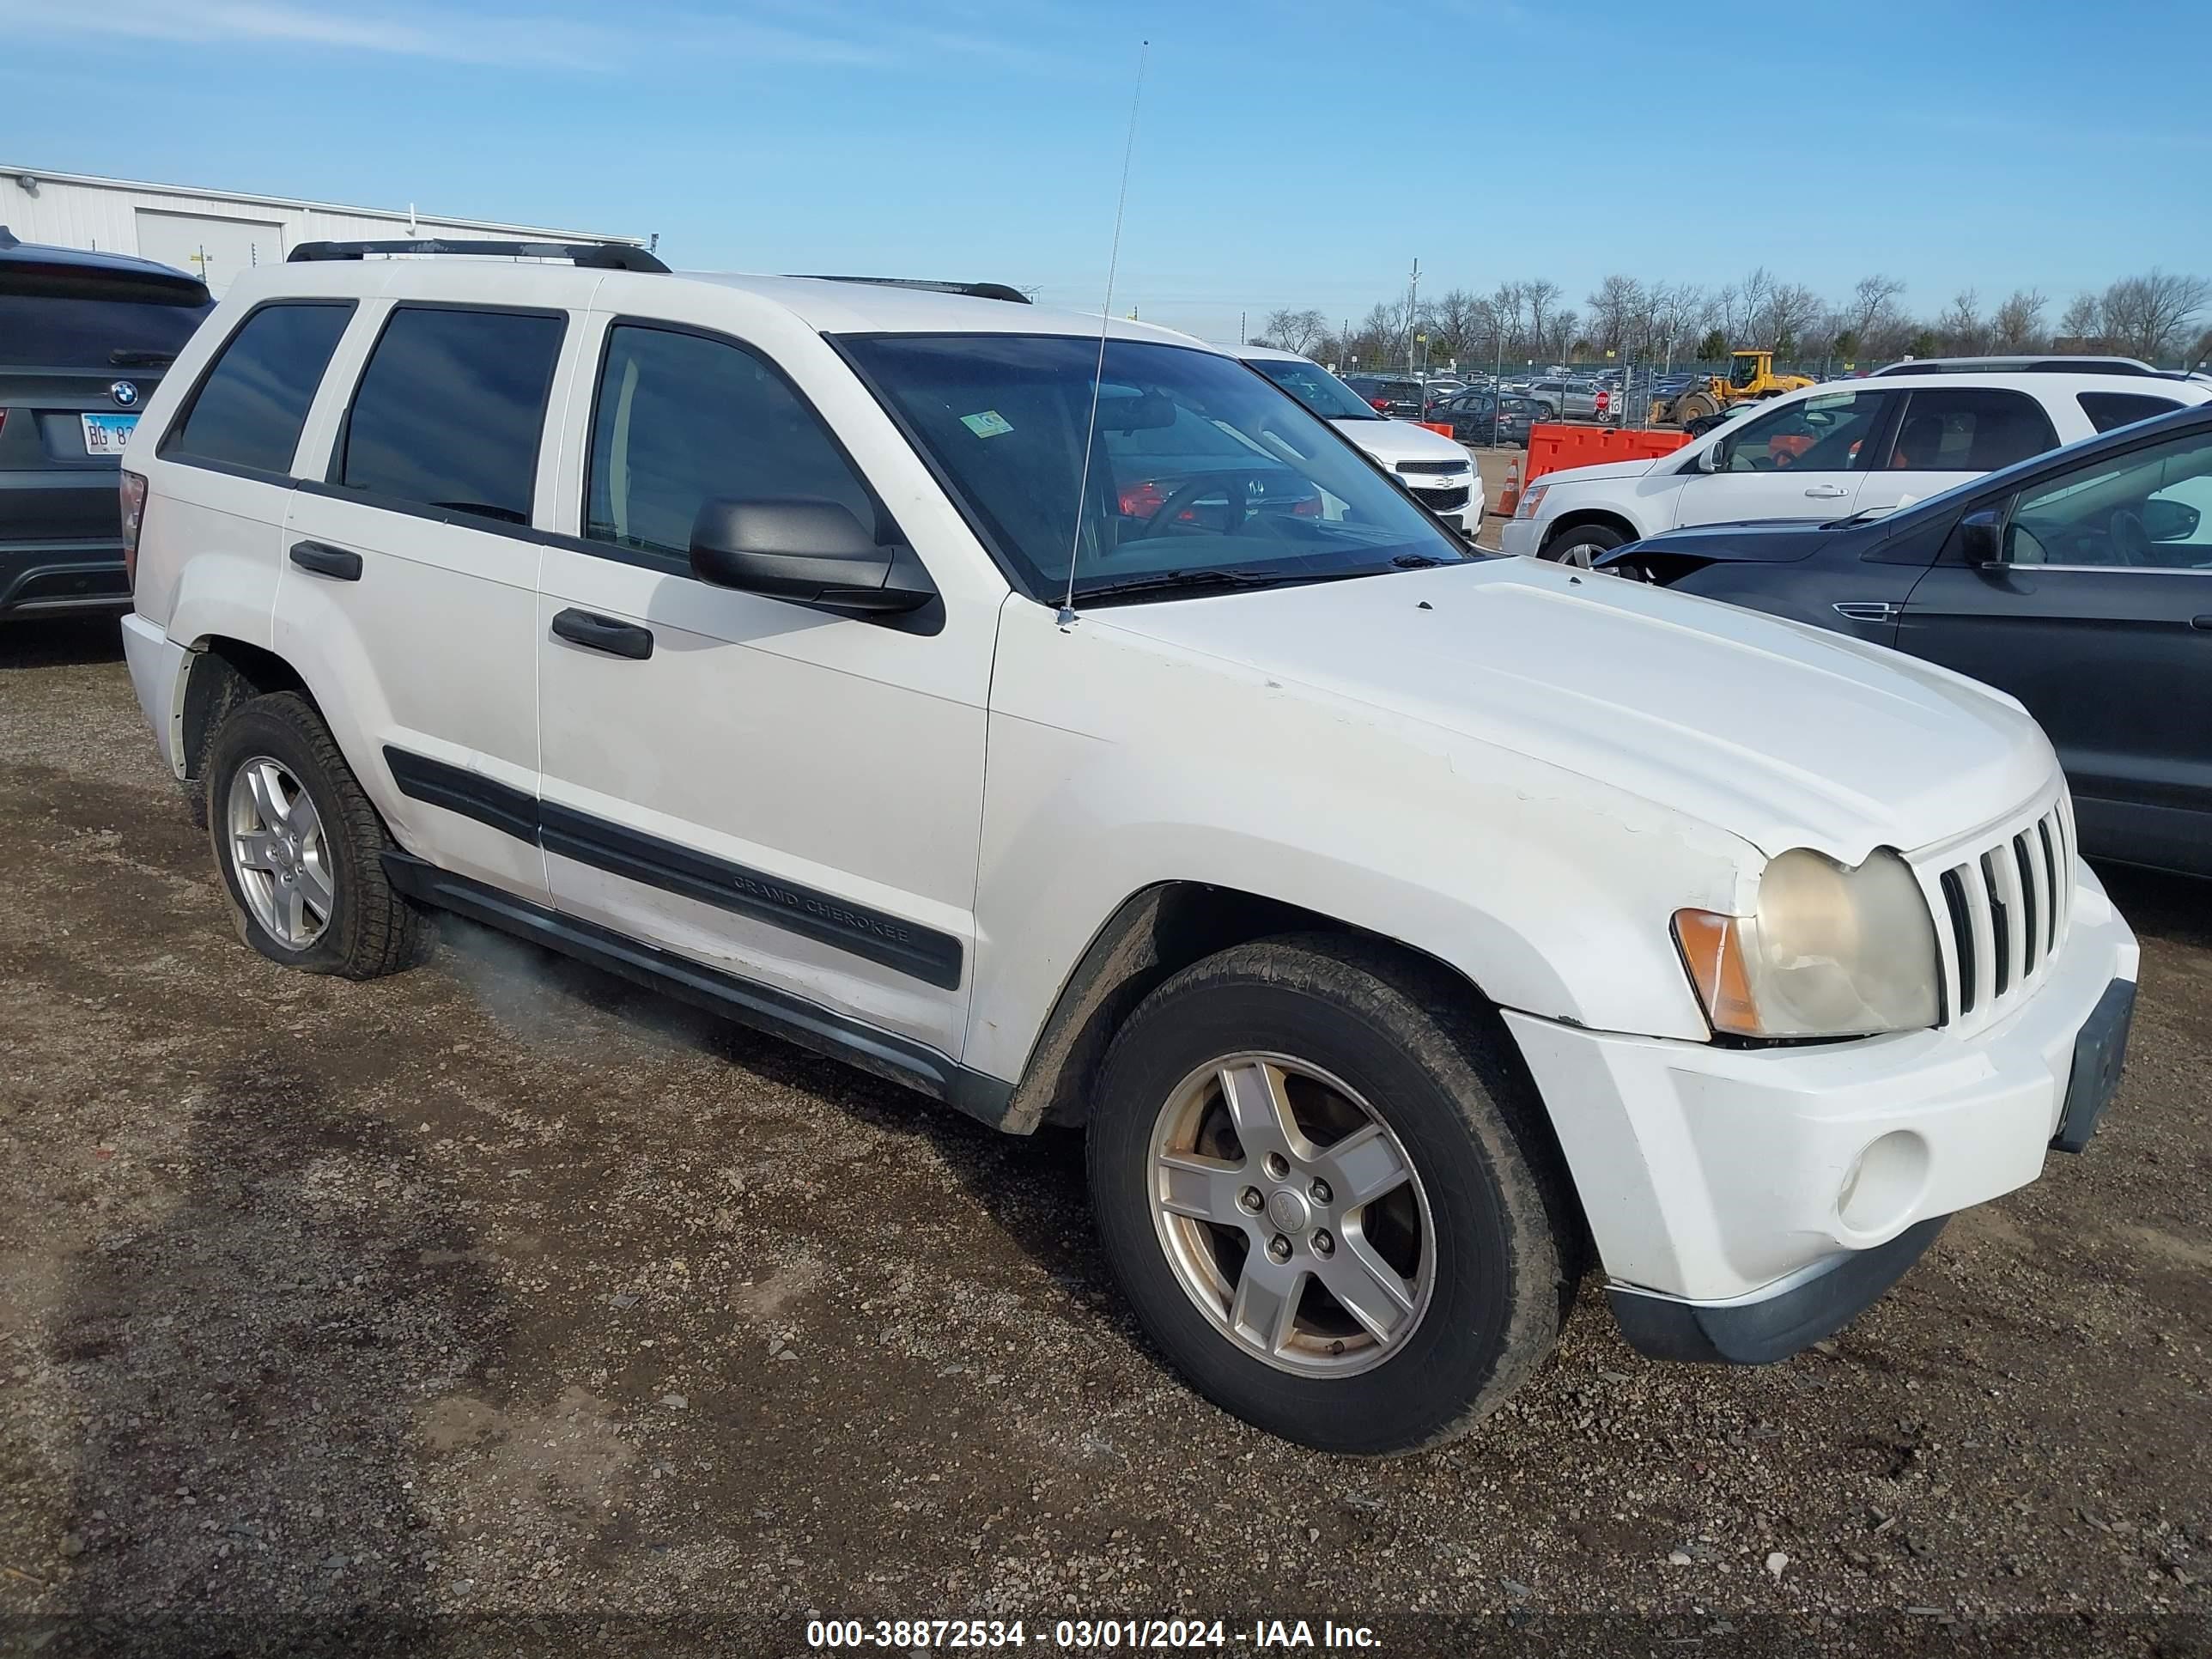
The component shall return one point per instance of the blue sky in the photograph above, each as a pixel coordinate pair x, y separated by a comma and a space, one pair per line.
1290, 153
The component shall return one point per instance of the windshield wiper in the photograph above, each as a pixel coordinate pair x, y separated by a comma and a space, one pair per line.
132, 357
1176, 581
1860, 516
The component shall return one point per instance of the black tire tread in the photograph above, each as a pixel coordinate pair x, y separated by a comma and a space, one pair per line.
388, 932
1437, 1019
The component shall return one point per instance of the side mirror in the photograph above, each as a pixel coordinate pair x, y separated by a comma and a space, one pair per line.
1981, 536
1709, 459
805, 549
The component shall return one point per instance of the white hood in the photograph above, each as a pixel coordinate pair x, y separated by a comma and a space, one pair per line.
1392, 441
1780, 734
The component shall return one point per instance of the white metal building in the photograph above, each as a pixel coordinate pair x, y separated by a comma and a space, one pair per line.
217, 234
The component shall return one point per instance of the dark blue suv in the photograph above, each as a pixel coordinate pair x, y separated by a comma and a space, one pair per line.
84, 338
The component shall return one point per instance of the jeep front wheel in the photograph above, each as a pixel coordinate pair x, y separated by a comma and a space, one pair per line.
1323, 1186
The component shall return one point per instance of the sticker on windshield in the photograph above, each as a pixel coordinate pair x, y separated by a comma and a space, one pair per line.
989, 424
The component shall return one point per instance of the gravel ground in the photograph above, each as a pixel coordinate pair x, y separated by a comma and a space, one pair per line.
501, 1307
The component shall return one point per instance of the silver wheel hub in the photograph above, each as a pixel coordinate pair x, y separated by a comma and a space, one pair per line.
1292, 1215
278, 854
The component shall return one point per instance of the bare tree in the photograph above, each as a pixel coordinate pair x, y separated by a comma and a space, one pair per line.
1757, 293
2082, 327
2019, 323
1295, 331
1677, 311
1616, 308
1722, 315
2151, 315
1873, 306
1451, 318
1539, 295
1789, 317
1561, 328
1961, 326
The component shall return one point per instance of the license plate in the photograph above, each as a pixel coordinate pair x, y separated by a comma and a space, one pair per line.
106, 434
2099, 1051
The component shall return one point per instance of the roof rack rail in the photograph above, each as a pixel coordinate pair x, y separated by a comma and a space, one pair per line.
602, 256
973, 290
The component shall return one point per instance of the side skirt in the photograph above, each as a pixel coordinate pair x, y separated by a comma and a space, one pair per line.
763, 1007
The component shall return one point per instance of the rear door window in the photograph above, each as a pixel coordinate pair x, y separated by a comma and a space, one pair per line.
2107, 409
250, 407
1972, 429
450, 410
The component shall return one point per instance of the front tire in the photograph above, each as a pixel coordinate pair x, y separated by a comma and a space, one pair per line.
1411, 1252
299, 849
1581, 545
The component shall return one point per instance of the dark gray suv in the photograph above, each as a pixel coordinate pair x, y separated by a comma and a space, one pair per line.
84, 338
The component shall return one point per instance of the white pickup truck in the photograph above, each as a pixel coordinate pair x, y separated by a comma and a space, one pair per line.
1079, 731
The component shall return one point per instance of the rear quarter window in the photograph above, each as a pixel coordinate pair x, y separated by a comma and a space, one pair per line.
2107, 409
249, 408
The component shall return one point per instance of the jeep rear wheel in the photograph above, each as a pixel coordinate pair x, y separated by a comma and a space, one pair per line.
1324, 1187
300, 849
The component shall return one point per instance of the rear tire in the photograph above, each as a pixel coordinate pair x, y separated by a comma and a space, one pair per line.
1477, 1239
299, 849
1692, 405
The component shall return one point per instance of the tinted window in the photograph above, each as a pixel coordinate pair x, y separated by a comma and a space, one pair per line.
682, 420
2107, 409
1974, 429
449, 410
249, 410
39, 332
1825, 433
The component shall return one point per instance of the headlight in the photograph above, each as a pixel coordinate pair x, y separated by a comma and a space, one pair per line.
1529, 500
1828, 952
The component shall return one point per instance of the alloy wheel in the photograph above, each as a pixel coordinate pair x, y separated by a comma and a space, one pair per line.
279, 854
1292, 1215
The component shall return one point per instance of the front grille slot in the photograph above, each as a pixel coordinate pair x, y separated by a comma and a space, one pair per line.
2003, 911
1441, 501
1432, 466
1962, 934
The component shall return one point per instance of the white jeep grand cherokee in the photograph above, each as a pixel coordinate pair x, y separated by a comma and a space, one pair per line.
1403, 926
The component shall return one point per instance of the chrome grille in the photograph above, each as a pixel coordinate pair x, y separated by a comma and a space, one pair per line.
2000, 913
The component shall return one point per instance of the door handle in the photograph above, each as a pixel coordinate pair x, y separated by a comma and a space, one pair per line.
2204, 623
1825, 492
596, 633
333, 561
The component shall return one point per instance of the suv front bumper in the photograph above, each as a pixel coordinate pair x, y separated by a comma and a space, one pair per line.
1519, 536
1718, 1179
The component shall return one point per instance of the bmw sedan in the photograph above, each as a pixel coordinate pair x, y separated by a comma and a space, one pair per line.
2080, 582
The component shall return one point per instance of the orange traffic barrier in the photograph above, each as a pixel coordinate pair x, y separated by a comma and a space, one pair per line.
1509, 497
1553, 447
1441, 428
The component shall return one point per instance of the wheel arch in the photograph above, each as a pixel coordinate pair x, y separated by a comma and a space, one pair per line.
1153, 935
1584, 518
223, 671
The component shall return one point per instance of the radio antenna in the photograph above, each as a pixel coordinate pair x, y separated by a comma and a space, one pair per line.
1105, 316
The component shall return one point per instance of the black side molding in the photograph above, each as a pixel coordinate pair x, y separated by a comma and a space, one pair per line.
935, 959
1776, 1326
763, 1007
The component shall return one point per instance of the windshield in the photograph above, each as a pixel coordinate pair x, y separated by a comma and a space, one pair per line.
1200, 469
40, 331
1317, 388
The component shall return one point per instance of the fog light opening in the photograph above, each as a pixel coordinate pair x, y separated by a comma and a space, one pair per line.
1883, 1188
